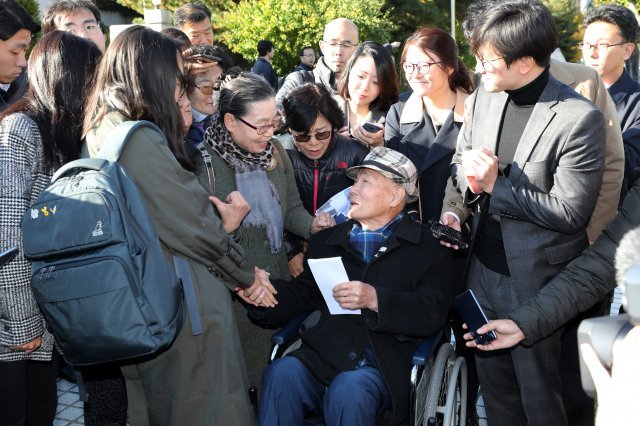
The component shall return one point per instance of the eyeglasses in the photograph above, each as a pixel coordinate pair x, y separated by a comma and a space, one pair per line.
261, 130
91, 27
600, 47
488, 64
318, 136
335, 44
421, 67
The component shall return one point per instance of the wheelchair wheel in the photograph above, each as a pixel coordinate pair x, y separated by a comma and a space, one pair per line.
446, 401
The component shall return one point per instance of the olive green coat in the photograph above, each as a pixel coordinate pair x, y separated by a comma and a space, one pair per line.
255, 340
199, 380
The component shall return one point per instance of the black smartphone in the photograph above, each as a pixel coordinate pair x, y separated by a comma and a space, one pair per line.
7, 256
370, 127
474, 316
447, 234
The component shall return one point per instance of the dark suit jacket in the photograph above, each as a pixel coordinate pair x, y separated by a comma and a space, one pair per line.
412, 303
547, 200
16, 90
264, 68
626, 95
410, 131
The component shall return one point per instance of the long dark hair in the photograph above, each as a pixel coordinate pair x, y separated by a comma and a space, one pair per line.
137, 77
439, 42
61, 67
387, 75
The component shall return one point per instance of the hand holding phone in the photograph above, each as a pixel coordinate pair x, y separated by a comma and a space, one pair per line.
370, 127
474, 317
447, 234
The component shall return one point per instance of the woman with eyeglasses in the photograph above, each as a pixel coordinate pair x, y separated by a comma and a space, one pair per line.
200, 379
246, 158
369, 86
204, 84
319, 154
424, 124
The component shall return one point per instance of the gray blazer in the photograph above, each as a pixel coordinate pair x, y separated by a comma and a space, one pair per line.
547, 200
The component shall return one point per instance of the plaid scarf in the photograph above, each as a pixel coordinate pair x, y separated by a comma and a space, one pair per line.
367, 243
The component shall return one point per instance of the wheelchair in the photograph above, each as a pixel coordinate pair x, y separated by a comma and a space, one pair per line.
438, 382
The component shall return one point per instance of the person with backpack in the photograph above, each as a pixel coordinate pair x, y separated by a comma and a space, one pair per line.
38, 134
200, 379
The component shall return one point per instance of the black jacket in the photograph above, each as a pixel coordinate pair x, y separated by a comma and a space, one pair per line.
585, 281
16, 90
325, 177
626, 95
431, 153
264, 68
321, 74
412, 303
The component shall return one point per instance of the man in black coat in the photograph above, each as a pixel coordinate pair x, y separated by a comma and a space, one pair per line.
263, 63
354, 368
16, 28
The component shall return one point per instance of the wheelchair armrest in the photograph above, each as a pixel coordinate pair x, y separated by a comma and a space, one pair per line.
426, 349
289, 332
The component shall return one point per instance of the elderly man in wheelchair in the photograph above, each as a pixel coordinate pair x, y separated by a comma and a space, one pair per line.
355, 369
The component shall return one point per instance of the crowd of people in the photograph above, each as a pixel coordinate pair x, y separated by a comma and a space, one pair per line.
536, 163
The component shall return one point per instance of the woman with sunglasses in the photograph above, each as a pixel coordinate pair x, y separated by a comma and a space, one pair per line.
424, 124
369, 86
319, 154
246, 158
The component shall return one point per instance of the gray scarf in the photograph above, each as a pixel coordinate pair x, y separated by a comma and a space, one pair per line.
251, 181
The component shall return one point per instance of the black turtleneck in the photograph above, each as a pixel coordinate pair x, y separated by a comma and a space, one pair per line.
490, 246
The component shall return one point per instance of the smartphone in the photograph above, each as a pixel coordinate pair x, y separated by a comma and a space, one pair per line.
8, 255
370, 127
447, 234
474, 317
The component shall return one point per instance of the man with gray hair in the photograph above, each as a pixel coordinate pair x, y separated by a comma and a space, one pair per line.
359, 362
338, 43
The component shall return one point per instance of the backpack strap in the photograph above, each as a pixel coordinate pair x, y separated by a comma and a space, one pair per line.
118, 138
82, 163
184, 273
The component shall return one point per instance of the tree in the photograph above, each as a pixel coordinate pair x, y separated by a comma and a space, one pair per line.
293, 24
569, 23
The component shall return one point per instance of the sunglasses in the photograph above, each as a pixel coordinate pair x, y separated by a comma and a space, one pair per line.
318, 136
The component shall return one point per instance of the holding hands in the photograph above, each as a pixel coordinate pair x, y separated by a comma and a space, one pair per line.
481, 169
261, 293
356, 295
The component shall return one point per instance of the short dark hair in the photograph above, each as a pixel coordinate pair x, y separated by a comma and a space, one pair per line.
386, 70
60, 8
440, 43
191, 13
617, 15
303, 105
305, 48
178, 36
61, 69
474, 13
242, 91
14, 18
517, 29
264, 47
